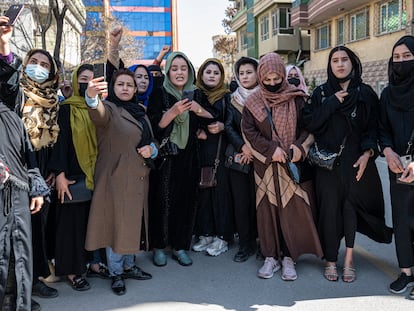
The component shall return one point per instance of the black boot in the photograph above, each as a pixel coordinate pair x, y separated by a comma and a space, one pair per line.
35, 306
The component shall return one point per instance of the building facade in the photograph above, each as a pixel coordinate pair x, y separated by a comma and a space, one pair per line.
369, 28
263, 26
27, 31
151, 23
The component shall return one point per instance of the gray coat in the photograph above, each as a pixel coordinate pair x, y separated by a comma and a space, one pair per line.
120, 199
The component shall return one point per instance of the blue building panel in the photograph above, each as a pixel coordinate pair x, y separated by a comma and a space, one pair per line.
153, 45
138, 21
151, 3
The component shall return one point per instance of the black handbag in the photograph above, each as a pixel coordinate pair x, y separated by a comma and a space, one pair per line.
324, 158
232, 163
208, 173
167, 148
78, 191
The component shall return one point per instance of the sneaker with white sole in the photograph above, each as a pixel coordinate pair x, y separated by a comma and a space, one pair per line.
203, 243
288, 269
218, 247
269, 267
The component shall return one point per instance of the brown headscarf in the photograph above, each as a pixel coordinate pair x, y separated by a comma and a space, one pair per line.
217, 92
281, 103
40, 110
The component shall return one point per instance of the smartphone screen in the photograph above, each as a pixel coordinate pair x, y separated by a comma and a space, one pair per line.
13, 13
99, 70
188, 94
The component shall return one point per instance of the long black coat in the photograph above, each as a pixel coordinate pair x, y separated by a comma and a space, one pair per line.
323, 117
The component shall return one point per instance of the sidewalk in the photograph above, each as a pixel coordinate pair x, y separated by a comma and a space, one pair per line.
218, 283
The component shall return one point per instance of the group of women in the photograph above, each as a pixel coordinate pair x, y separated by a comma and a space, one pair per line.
143, 149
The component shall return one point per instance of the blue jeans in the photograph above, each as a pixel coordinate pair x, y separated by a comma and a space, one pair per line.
118, 262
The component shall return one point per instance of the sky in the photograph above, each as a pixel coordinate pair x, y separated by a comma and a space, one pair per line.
198, 22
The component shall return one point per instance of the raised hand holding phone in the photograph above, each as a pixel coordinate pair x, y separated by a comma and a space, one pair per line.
13, 14
97, 86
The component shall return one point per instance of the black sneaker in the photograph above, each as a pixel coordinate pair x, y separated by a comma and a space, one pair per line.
35, 306
40, 289
401, 284
136, 273
411, 295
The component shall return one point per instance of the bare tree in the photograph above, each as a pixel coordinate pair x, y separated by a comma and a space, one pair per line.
42, 21
94, 43
59, 18
226, 47
229, 13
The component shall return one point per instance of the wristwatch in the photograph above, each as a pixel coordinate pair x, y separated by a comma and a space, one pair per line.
199, 110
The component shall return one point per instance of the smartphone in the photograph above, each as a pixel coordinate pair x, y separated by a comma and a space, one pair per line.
99, 70
13, 13
405, 160
188, 94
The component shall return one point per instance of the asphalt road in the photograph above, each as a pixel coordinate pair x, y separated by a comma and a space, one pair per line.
219, 284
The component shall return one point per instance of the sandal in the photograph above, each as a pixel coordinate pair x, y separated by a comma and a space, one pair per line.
348, 274
79, 283
331, 273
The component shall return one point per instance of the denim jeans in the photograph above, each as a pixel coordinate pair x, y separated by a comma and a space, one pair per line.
118, 262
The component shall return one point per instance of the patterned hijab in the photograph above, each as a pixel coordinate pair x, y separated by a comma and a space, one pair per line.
281, 103
83, 130
40, 110
181, 126
214, 93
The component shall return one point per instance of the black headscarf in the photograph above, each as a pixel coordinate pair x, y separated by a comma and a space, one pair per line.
158, 81
401, 78
333, 83
135, 109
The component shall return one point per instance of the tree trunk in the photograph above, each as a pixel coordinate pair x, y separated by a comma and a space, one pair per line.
59, 17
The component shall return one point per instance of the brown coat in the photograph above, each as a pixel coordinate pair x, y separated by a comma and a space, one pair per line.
119, 204
281, 205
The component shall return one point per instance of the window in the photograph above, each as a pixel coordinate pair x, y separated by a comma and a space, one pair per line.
281, 21
264, 28
340, 31
243, 39
392, 16
358, 28
323, 37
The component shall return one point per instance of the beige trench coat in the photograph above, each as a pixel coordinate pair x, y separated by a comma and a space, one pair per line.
120, 200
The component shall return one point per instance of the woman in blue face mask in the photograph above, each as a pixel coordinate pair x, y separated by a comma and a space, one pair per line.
39, 112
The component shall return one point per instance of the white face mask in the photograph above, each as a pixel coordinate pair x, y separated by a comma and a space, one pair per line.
37, 73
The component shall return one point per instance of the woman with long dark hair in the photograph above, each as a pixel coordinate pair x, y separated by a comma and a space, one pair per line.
342, 114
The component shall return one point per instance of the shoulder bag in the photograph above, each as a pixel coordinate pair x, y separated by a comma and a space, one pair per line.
208, 173
233, 163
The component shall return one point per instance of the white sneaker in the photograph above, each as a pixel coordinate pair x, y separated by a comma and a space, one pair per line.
269, 267
288, 269
203, 243
218, 247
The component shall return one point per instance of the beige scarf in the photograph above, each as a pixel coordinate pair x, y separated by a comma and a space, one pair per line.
40, 112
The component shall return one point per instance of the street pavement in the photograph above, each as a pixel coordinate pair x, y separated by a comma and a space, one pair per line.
220, 284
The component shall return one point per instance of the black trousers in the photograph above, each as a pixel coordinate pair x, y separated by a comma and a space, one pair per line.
244, 206
40, 258
402, 201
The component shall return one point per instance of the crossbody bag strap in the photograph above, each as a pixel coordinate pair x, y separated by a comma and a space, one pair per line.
410, 143
217, 159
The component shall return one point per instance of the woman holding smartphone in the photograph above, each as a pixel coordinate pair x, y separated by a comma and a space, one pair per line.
174, 184
396, 139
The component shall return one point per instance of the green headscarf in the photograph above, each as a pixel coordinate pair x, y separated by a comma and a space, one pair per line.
180, 131
83, 132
